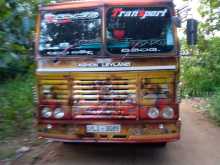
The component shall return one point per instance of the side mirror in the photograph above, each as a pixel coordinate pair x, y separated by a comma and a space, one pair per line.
191, 31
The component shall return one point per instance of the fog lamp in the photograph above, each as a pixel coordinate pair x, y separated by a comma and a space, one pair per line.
153, 113
168, 113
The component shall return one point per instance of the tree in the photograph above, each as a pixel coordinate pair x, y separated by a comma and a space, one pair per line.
16, 36
210, 11
201, 72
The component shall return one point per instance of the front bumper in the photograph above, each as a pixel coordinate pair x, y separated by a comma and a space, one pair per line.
144, 132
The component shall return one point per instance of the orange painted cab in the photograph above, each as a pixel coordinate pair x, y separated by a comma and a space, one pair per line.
108, 71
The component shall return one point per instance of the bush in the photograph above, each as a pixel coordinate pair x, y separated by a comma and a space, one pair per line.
215, 106
15, 68
196, 82
16, 105
16, 33
201, 72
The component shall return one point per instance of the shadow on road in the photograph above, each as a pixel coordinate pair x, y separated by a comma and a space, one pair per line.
112, 153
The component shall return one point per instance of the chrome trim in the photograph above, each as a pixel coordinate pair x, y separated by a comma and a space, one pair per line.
108, 69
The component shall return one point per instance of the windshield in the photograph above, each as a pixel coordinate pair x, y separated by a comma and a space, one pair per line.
139, 30
70, 33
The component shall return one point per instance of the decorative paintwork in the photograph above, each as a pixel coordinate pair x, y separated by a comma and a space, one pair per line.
108, 90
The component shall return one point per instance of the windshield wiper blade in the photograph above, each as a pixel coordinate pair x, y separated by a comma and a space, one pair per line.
125, 55
68, 48
64, 52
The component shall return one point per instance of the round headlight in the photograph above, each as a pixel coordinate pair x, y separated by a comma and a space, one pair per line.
46, 112
58, 113
153, 113
168, 113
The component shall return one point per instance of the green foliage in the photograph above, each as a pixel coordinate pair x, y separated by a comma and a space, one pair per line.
16, 36
209, 10
16, 60
194, 83
16, 105
201, 72
215, 106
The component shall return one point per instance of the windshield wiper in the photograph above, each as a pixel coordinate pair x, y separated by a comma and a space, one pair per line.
68, 48
63, 53
128, 53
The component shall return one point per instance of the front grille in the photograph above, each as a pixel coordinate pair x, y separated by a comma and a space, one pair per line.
108, 96
104, 97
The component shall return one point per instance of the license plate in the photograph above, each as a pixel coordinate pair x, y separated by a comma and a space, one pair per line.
103, 128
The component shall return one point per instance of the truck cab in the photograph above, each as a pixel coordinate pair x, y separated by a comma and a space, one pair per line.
108, 71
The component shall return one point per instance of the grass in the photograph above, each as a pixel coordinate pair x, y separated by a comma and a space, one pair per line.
16, 105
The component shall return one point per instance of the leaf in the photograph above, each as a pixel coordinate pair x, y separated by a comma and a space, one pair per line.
2, 2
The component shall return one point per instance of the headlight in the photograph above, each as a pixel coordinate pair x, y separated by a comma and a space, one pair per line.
168, 113
58, 113
46, 112
153, 113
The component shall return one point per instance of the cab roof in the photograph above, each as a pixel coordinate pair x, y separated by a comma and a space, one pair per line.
65, 4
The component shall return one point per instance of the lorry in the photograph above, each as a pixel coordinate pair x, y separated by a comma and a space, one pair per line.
108, 71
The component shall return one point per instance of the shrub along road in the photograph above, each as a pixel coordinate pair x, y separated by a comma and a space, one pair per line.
199, 145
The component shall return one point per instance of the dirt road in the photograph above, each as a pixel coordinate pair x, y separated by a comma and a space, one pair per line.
200, 145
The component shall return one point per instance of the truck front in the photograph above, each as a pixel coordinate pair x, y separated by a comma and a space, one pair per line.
108, 71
